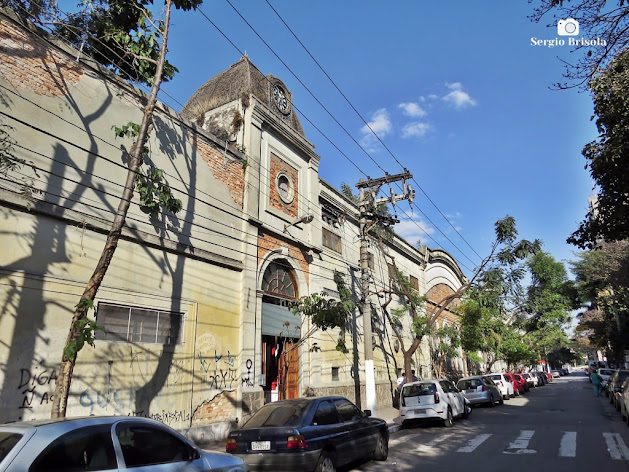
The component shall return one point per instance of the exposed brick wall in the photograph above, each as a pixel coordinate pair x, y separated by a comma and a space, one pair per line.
30, 63
218, 409
437, 294
267, 243
227, 171
277, 165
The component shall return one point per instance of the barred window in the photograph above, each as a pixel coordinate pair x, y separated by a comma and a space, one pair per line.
138, 325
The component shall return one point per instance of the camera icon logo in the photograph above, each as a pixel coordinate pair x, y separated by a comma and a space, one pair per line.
568, 27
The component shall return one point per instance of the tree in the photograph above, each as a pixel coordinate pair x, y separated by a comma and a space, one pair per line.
497, 277
142, 45
324, 313
602, 20
602, 278
608, 158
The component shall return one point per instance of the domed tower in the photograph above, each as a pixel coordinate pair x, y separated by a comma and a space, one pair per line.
253, 113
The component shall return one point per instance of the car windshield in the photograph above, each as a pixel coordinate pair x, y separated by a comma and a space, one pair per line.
495, 377
7, 441
606, 372
418, 390
287, 414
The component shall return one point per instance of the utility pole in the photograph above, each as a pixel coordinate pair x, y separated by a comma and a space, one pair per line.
369, 217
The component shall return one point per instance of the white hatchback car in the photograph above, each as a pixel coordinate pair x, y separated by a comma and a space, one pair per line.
506, 387
432, 399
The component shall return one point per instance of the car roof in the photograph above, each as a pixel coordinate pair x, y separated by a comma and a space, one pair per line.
73, 422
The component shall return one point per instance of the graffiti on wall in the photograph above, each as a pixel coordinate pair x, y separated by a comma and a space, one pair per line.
122, 402
36, 387
247, 378
219, 370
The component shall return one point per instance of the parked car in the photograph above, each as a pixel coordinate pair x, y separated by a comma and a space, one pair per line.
480, 390
614, 386
624, 400
506, 387
555, 373
542, 380
605, 376
433, 399
306, 434
512, 381
104, 443
523, 386
531, 379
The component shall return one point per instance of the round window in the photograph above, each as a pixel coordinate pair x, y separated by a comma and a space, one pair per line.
285, 188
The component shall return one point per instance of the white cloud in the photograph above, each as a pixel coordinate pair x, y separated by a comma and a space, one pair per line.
457, 97
379, 124
414, 231
415, 130
412, 109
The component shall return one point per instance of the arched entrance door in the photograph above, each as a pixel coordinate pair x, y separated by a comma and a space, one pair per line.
280, 332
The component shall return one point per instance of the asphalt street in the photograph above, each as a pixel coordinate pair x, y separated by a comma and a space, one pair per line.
558, 427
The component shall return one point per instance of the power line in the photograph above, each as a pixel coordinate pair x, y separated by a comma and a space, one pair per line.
343, 128
365, 122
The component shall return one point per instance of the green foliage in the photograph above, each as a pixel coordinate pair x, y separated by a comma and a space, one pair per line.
130, 130
548, 298
155, 194
122, 35
602, 284
325, 312
608, 158
85, 330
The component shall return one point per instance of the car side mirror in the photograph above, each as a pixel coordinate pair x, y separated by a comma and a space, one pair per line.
367, 413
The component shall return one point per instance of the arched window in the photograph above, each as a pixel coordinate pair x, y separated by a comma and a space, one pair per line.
278, 280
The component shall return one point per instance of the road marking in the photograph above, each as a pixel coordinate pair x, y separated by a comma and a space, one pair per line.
616, 446
474, 443
433, 443
519, 446
568, 446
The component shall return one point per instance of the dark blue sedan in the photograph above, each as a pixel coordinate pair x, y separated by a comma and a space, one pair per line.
309, 434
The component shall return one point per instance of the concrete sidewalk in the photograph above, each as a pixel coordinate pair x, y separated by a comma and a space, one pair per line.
390, 415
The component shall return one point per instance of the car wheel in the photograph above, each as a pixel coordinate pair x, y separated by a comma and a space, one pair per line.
492, 402
501, 401
448, 422
467, 409
382, 449
506, 397
325, 464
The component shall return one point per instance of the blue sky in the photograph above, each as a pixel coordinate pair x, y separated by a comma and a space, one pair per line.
457, 93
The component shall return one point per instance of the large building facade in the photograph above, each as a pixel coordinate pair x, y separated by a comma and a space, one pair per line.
196, 306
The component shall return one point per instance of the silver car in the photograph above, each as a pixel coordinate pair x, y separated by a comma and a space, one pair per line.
105, 444
480, 390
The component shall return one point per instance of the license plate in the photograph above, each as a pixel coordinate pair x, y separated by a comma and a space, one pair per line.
470, 390
261, 445
420, 412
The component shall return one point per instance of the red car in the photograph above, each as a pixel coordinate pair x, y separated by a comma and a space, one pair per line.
516, 386
523, 386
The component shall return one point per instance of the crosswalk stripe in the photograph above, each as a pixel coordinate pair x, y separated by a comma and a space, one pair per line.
433, 443
520, 445
616, 446
568, 446
474, 443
